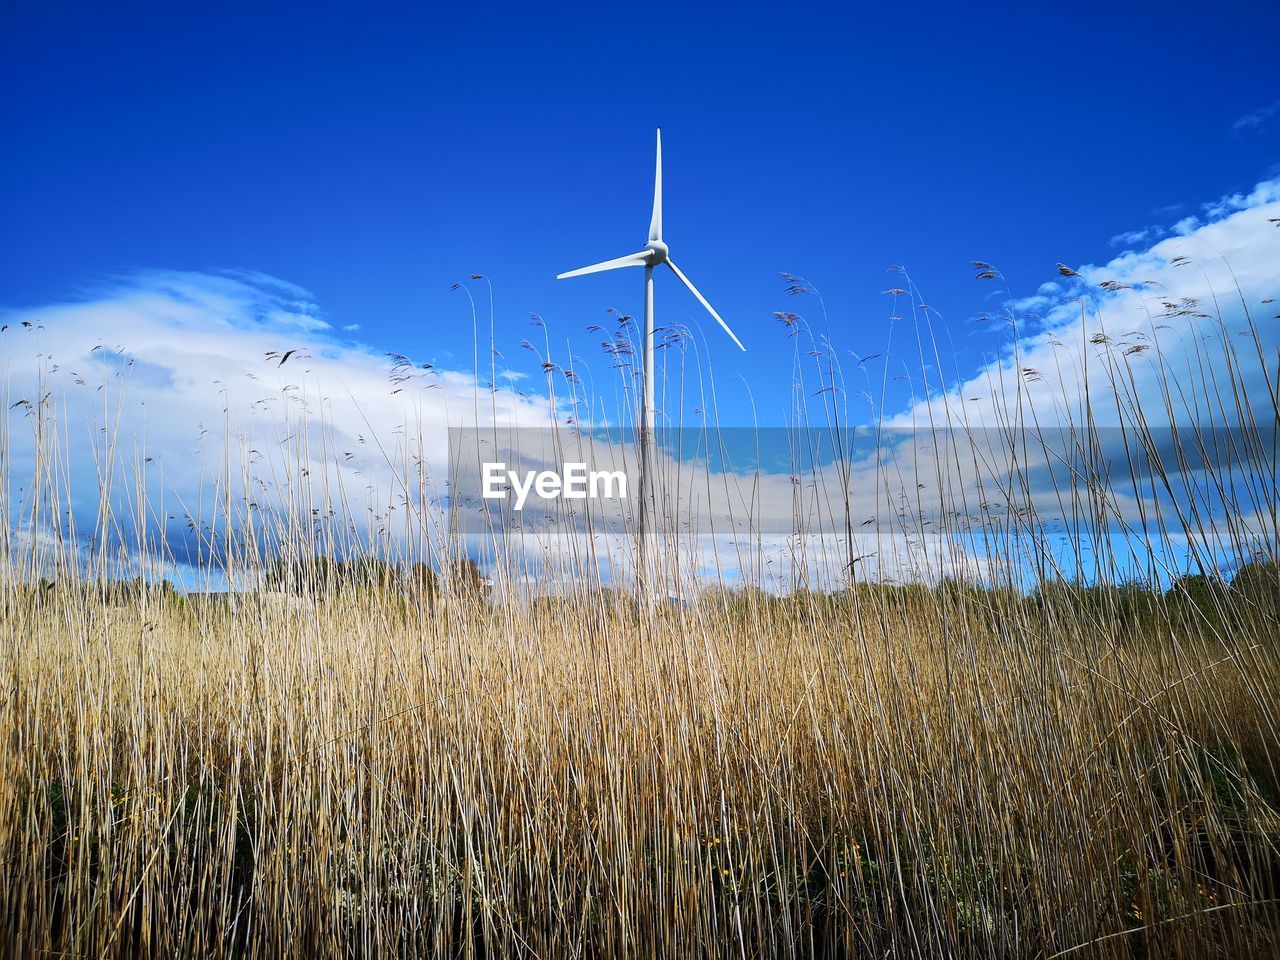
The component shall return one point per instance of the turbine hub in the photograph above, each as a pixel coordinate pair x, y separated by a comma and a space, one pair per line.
658, 252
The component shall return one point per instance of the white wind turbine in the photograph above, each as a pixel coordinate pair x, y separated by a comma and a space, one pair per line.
655, 252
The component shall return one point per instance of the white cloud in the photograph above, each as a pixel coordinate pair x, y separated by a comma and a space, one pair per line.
1256, 119
202, 377
1126, 300
216, 377
1131, 237
1153, 340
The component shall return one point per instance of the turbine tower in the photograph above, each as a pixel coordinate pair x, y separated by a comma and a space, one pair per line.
654, 254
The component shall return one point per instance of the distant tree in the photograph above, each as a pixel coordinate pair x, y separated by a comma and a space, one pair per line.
422, 582
125, 592
1201, 592
1105, 605
370, 573
462, 577
1258, 581
466, 579
320, 575
307, 576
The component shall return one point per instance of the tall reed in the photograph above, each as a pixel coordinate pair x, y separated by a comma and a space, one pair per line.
1067, 748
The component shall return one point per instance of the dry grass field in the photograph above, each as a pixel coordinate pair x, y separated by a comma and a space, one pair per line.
375, 768
918, 773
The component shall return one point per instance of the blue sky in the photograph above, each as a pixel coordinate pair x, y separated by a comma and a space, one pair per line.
374, 154
190, 193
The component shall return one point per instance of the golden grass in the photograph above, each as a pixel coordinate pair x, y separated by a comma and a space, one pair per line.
930, 771
756, 778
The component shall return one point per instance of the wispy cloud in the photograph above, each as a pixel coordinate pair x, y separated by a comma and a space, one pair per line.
1212, 211
1256, 119
1131, 237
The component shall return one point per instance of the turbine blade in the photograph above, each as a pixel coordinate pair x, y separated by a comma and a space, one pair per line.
703, 300
630, 260
655, 223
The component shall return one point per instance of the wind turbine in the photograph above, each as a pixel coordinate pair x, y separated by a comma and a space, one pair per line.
655, 253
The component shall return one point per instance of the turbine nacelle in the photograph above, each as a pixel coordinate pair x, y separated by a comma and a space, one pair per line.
658, 252
655, 253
